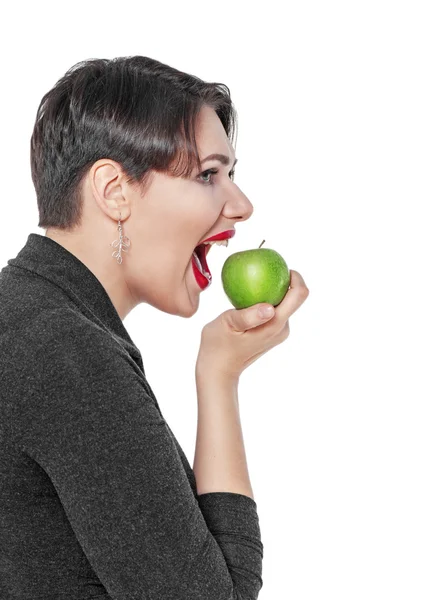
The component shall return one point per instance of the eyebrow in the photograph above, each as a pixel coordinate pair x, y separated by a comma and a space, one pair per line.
223, 158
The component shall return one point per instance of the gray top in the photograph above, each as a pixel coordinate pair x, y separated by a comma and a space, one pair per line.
97, 498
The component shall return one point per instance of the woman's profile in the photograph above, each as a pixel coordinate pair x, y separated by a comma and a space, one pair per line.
132, 163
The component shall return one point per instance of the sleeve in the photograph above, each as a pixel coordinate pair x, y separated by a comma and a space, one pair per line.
102, 440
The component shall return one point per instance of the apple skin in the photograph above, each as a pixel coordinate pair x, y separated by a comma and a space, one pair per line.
253, 276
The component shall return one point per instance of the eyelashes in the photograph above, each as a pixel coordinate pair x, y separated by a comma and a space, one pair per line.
212, 172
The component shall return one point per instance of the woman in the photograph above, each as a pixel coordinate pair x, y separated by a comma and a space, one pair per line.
133, 169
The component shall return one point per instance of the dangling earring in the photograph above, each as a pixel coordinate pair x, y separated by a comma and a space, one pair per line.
122, 243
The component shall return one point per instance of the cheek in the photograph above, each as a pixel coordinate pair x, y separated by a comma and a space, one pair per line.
207, 215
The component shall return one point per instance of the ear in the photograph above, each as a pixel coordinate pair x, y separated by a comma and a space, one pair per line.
106, 182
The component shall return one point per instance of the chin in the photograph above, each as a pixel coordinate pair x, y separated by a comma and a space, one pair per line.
189, 309
186, 312
186, 307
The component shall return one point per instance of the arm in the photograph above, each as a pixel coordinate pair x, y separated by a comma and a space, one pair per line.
95, 430
221, 470
220, 459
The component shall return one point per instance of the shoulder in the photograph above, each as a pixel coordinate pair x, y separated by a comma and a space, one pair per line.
77, 386
54, 333
61, 349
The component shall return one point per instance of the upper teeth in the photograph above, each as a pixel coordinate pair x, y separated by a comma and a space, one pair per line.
218, 242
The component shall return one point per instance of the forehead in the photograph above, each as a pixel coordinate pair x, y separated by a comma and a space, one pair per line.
211, 136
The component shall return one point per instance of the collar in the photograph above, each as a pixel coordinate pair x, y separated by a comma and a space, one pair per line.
44, 257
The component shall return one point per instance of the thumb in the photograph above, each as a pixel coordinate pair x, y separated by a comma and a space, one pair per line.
253, 316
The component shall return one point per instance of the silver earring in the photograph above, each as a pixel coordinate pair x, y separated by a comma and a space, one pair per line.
121, 244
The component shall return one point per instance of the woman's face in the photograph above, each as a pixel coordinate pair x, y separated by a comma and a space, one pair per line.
174, 216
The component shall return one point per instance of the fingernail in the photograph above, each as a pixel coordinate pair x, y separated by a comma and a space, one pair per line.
266, 311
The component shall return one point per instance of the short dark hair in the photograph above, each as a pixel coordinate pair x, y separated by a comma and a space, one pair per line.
134, 110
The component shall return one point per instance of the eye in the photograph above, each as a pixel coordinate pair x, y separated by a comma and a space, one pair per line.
213, 172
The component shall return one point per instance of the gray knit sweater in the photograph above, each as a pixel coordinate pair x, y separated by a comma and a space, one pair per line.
97, 498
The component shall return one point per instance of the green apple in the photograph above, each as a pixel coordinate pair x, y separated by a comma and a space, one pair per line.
253, 276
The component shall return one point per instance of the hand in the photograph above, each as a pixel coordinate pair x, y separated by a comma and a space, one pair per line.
238, 337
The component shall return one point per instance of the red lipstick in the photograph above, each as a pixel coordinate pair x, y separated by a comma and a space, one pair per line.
199, 261
224, 235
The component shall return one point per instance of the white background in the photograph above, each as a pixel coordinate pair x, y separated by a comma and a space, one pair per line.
337, 147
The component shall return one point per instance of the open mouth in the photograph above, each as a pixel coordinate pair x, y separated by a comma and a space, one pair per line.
199, 257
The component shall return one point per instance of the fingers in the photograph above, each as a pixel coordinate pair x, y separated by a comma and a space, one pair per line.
245, 319
294, 298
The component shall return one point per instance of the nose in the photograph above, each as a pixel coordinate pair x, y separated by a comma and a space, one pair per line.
238, 205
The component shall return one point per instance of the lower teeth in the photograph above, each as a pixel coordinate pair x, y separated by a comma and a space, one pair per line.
198, 264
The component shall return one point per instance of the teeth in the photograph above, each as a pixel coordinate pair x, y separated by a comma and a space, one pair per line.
218, 242
198, 262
